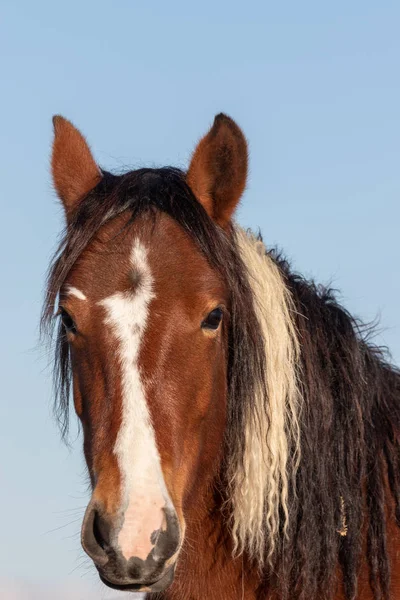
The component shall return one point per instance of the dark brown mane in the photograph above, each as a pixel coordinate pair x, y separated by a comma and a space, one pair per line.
350, 428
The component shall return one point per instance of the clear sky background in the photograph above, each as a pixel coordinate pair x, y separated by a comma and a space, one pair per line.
316, 88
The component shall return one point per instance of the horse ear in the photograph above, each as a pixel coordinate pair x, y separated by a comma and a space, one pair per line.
218, 169
73, 167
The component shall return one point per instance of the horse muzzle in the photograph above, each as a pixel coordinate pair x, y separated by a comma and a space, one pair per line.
149, 564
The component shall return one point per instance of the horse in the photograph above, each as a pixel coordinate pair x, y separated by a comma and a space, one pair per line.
240, 429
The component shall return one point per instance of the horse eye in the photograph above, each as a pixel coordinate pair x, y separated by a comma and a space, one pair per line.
213, 320
67, 321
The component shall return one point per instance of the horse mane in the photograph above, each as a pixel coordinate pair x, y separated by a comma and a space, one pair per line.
313, 409
349, 435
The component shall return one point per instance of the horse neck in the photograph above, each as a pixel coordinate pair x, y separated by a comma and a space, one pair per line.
206, 566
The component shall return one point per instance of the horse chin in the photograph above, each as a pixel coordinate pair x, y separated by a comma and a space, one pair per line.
155, 586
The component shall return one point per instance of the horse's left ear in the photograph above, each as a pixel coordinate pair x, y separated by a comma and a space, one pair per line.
73, 167
218, 169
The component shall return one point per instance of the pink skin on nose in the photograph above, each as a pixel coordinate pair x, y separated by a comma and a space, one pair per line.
142, 518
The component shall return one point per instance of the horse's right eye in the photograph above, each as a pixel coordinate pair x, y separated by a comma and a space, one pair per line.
67, 321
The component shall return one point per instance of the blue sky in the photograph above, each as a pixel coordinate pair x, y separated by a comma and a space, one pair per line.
315, 87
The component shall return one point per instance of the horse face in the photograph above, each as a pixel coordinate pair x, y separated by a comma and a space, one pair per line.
146, 320
144, 314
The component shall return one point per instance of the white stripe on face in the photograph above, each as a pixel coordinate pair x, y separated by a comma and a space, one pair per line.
73, 291
144, 493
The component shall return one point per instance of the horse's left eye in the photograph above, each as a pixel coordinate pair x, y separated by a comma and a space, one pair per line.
213, 319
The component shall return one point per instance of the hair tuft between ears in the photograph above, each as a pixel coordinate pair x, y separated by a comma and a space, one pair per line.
218, 170
73, 167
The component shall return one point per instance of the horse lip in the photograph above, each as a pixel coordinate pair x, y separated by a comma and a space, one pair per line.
134, 587
128, 587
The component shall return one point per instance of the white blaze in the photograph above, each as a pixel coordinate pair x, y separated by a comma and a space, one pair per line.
143, 489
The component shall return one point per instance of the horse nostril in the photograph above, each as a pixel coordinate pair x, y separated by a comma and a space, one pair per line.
100, 531
94, 536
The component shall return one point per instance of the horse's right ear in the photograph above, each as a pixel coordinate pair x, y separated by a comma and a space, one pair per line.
73, 167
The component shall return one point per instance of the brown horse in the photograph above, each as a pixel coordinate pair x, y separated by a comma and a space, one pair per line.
241, 435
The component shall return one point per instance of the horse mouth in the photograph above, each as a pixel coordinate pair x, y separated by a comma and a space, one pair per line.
158, 585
